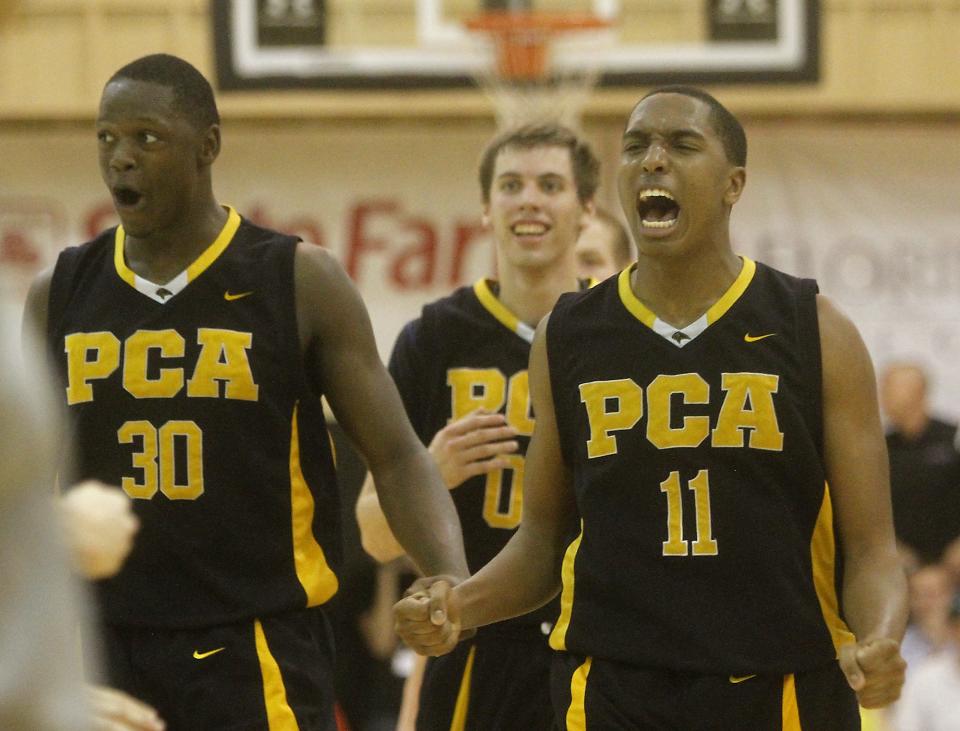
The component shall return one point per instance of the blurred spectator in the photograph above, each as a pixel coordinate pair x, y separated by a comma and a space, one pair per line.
924, 464
40, 607
951, 562
603, 247
931, 591
931, 698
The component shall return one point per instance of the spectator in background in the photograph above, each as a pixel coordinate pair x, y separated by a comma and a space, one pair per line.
40, 690
930, 592
931, 698
951, 562
924, 464
603, 247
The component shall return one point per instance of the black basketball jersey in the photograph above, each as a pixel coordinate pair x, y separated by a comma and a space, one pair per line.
707, 539
194, 398
464, 352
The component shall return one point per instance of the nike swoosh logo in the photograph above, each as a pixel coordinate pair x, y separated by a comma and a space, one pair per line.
741, 678
748, 338
197, 655
230, 297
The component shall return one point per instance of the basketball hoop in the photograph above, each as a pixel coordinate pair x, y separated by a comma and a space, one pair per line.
524, 81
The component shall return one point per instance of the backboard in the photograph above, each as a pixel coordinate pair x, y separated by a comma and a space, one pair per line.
389, 44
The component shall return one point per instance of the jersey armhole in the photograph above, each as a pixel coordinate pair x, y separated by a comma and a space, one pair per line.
809, 338
61, 287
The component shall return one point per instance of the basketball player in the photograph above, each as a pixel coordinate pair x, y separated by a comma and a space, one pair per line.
193, 348
603, 247
708, 434
461, 369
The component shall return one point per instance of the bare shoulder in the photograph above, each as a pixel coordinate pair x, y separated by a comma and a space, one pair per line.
834, 323
329, 306
315, 265
846, 361
324, 294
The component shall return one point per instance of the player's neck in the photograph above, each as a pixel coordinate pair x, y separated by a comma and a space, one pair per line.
680, 289
163, 254
531, 293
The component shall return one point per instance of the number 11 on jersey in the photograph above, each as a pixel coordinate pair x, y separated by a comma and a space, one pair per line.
676, 545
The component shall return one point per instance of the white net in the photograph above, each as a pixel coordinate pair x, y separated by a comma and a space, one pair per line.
539, 74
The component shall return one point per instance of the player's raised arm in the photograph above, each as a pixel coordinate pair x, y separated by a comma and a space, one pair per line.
874, 587
338, 342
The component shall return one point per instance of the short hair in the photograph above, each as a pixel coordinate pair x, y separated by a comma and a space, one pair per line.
583, 161
622, 248
192, 92
727, 126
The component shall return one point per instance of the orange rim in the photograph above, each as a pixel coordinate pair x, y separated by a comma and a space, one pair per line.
505, 21
521, 38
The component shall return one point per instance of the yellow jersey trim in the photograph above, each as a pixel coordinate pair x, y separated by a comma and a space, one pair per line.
314, 573
558, 637
194, 270
732, 294
633, 304
647, 316
119, 262
495, 307
279, 714
577, 712
790, 710
462, 706
823, 551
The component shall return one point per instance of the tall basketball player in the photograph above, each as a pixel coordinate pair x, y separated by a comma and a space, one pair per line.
707, 483
193, 348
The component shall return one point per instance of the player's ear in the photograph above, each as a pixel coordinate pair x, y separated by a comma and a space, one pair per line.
735, 183
210, 145
485, 219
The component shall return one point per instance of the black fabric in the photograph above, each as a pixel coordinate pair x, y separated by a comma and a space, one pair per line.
509, 688
196, 686
925, 488
622, 697
211, 452
695, 552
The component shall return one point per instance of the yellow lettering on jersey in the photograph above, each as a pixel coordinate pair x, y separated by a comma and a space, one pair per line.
626, 399
760, 418
192, 437
145, 460
518, 403
493, 495
223, 357
136, 356
475, 388
660, 392
90, 357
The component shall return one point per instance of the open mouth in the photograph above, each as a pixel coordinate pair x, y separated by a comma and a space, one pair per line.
529, 228
126, 196
657, 208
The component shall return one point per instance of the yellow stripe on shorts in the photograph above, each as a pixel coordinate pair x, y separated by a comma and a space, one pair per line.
577, 713
459, 722
791, 711
279, 714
